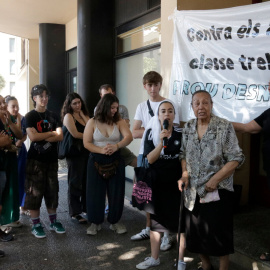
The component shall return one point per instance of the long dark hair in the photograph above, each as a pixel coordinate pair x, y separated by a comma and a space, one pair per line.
67, 105
103, 111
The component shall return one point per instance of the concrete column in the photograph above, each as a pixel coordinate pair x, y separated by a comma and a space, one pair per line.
52, 62
95, 48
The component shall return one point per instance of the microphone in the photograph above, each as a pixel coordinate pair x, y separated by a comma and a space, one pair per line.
165, 139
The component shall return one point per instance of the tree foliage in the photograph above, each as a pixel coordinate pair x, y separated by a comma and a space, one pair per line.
2, 82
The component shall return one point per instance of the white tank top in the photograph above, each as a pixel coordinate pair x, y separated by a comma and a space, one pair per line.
100, 140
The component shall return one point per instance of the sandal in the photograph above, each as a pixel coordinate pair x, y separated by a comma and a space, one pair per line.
265, 256
80, 219
5, 237
6, 229
15, 224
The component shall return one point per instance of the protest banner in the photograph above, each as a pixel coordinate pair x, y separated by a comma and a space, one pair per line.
225, 52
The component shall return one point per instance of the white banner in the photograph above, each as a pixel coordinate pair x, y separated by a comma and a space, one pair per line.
227, 53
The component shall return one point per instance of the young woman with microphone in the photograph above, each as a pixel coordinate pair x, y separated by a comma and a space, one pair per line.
162, 148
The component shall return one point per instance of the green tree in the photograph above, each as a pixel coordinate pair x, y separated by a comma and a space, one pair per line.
2, 82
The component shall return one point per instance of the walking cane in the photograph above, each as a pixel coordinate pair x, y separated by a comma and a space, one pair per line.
179, 224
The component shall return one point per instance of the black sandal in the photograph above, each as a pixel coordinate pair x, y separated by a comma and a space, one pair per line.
5, 237
80, 219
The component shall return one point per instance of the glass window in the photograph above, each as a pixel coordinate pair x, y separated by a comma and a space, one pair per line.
145, 35
72, 59
129, 88
12, 87
11, 45
12, 67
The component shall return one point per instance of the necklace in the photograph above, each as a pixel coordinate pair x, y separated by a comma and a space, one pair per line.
41, 116
8, 131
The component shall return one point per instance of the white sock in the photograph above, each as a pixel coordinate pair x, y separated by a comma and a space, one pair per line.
181, 265
148, 229
166, 234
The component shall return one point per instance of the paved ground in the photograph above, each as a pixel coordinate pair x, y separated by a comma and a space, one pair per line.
107, 250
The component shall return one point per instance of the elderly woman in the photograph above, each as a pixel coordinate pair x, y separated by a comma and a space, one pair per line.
166, 170
210, 154
106, 168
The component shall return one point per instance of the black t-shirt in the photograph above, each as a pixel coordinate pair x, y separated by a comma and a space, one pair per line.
43, 122
171, 153
264, 121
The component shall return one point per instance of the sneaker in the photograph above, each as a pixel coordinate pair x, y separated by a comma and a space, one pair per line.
143, 235
57, 227
37, 231
93, 229
166, 243
118, 228
147, 263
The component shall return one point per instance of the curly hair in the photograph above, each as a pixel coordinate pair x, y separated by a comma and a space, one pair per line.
103, 111
67, 105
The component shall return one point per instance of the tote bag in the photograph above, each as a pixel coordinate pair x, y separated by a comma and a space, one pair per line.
69, 146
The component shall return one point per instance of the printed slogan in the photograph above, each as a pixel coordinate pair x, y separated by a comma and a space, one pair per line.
225, 52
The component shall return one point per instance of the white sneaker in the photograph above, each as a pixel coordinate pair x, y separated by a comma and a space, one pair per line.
118, 228
147, 263
166, 243
181, 265
143, 235
93, 229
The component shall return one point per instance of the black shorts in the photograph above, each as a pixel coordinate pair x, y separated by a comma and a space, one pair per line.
41, 181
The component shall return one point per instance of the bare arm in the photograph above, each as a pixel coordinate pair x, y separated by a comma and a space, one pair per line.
125, 131
20, 142
154, 155
15, 128
138, 130
251, 127
34, 136
58, 136
84, 117
222, 174
184, 179
69, 123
